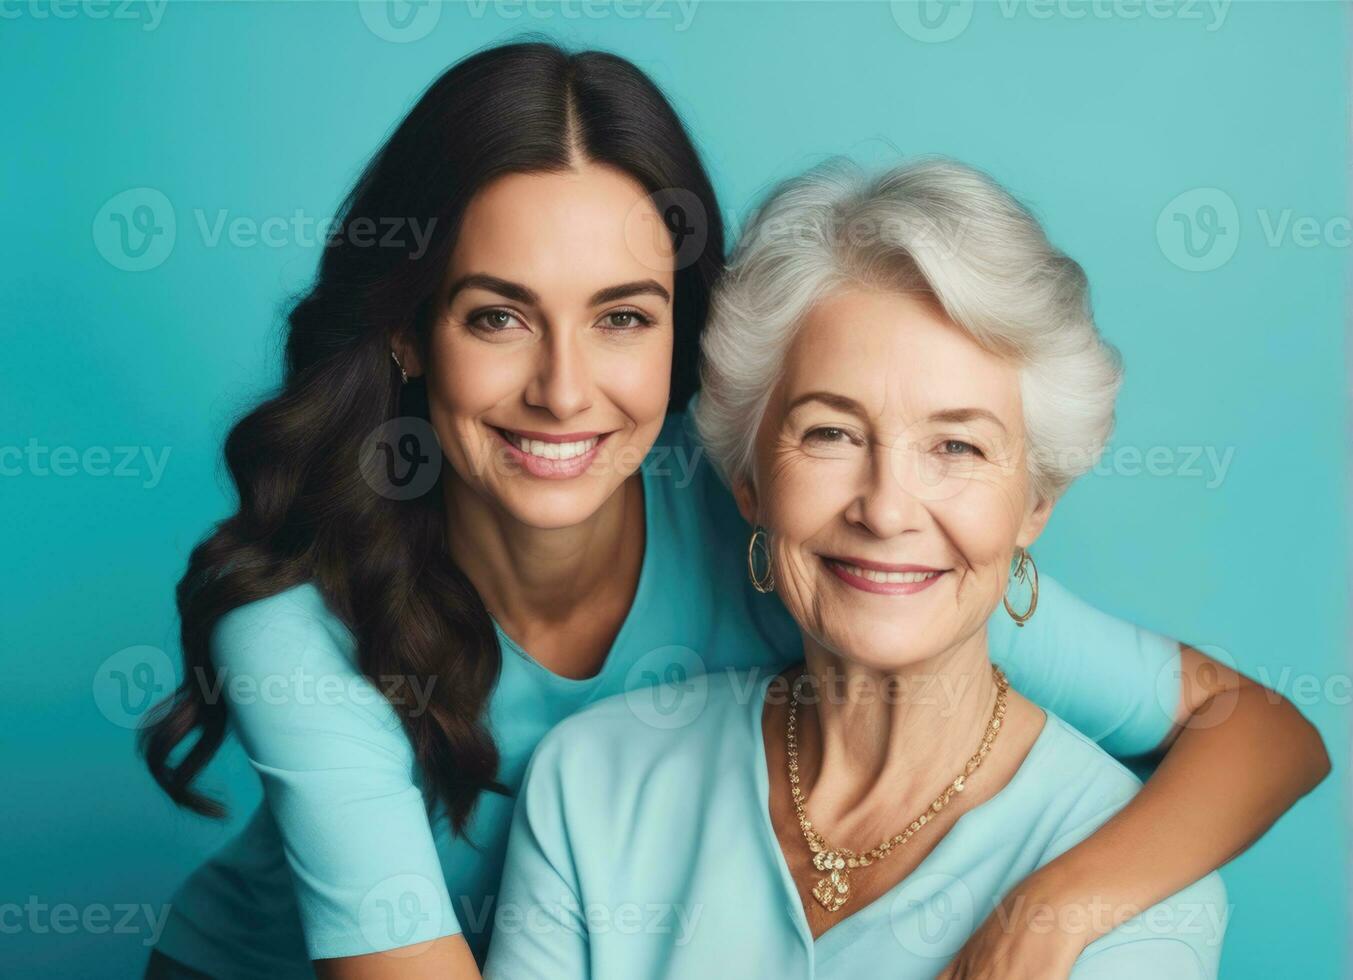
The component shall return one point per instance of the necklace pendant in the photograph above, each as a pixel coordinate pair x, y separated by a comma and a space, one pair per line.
833, 891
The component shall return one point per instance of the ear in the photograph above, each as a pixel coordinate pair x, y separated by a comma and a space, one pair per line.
745, 494
408, 352
1034, 522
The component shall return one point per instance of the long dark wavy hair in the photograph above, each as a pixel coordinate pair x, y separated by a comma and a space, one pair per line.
305, 513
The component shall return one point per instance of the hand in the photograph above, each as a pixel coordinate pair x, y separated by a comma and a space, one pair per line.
1026, 937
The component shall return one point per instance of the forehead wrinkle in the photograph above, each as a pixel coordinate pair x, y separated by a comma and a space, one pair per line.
925, 371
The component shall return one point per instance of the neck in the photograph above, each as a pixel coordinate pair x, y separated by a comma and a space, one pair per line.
532, 576
876, 746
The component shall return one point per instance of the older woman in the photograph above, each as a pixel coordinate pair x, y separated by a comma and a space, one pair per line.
902, 377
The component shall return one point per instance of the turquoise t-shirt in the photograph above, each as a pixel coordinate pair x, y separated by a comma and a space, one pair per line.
643, 851
340, 858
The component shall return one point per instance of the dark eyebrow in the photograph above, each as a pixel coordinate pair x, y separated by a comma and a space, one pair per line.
845, 404
478, 280
637, 288
522, 294
831, 400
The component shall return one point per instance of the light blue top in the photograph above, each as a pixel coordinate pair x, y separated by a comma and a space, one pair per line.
340, 858
643, 851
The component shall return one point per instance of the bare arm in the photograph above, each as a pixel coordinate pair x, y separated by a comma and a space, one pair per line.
446, 958
1239, 756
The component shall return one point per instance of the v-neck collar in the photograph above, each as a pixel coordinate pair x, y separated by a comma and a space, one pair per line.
831, 942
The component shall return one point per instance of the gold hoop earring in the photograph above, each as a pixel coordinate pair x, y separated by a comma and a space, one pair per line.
1020, 572
761, 583
403, 375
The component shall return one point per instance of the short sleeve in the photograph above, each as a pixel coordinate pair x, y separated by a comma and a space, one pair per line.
338, 776
540, 927
1116, 682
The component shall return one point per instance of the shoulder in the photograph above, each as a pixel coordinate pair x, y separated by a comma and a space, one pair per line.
1180, 937
701, 514
290, 628
1082, 785
680, 463
287, 667
1072, 750
652, 719
678, 436
1068, 788
678, 428
644, 732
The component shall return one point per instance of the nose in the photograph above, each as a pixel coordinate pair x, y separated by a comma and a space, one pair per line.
886, 504
562, 381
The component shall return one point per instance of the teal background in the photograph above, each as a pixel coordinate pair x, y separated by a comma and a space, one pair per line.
1097, 118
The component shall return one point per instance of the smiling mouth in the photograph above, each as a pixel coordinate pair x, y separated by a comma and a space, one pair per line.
542, 449
895, 581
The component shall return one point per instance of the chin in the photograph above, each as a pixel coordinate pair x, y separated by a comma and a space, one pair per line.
890, 659
550, 508
886, 646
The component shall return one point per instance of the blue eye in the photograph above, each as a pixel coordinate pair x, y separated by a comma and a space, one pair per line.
957, 447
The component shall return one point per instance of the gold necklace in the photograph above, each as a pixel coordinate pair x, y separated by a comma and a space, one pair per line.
833, 891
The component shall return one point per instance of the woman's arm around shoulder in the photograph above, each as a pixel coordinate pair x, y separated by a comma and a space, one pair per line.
1236, 756
1177, 939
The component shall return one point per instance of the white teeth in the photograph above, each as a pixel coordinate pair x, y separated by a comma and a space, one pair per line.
551, 450
889, 577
